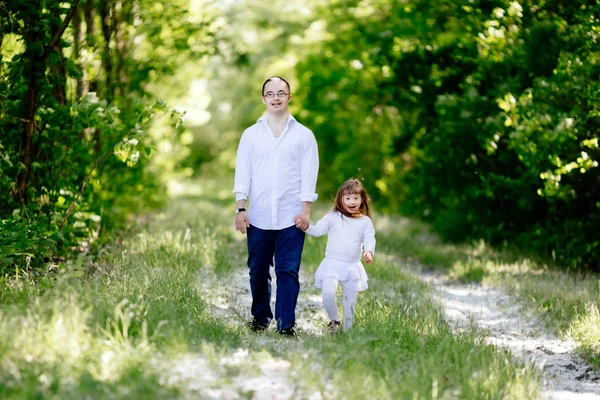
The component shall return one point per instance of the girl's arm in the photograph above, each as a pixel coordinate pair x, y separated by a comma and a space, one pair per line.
369, 241
321, 227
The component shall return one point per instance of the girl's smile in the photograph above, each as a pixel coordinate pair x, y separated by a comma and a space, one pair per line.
352, 202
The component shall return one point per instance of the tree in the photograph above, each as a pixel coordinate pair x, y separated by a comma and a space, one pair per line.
76, 116
480, 118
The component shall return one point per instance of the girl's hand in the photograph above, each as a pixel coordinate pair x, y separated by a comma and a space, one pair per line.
368, 256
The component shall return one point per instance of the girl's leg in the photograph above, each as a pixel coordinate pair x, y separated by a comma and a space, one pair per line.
329, 289
349, 303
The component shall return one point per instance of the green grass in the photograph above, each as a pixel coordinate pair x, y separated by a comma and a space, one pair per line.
568, 301
94, 331
401, 347
119, 328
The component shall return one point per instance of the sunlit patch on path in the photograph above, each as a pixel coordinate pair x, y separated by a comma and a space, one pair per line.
567, 375
233, 300
250, 371
239, 375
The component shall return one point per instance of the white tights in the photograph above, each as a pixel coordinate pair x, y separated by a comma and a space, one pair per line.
329, 289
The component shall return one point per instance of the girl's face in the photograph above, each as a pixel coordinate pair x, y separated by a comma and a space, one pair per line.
352, 202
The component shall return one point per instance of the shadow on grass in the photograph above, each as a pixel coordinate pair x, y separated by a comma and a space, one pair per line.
40, 380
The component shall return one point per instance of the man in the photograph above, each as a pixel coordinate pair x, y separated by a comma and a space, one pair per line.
276, 169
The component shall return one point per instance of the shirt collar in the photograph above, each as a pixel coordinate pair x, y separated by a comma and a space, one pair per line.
264, 118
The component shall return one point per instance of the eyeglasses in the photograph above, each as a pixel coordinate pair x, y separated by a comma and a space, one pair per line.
279, 94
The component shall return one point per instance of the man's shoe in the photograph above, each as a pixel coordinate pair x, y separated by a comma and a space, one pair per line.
290, 332
334, 327
257, 326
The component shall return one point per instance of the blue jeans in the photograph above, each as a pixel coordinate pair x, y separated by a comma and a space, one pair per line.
285, 248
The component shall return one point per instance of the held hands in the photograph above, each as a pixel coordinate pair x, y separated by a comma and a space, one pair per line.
241, 222
368, 256
302, 221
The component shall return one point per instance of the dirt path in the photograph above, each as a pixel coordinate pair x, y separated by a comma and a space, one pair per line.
567, 375
247, 374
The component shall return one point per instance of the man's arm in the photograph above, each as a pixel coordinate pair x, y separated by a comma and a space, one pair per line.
309, 170
308, 181
241, 186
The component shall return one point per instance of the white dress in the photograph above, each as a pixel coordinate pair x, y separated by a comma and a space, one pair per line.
345, 242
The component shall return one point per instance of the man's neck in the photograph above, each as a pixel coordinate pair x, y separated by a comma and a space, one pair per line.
277, 122
278, 117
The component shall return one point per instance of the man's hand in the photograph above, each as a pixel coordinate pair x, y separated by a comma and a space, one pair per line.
368, 256
302, 220
241, 222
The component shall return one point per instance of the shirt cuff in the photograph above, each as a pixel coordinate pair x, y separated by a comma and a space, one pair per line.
310, 197
240, 196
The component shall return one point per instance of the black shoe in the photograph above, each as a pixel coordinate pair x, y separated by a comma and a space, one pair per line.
290, 332
334, 327
257, 326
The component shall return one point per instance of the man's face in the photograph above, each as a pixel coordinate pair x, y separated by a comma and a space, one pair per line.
281, 95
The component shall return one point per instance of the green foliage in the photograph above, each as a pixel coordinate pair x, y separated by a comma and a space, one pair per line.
479, 118
77, 153
118, 182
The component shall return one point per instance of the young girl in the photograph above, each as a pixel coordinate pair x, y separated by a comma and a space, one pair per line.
349, 227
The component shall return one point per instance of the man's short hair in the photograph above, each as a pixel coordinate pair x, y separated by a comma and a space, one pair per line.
275, 78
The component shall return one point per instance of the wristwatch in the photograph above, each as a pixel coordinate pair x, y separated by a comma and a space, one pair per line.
239, 210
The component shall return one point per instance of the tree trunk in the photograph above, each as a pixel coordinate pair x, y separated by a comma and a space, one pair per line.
20, 191
1, 41
106, 11
36, 73
90, 32
78, 42
59, 78
123, 18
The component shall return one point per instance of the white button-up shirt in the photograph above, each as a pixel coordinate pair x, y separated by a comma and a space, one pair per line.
276, 174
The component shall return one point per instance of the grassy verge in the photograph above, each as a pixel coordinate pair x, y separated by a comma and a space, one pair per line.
124, 327
568, 301
98, 332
